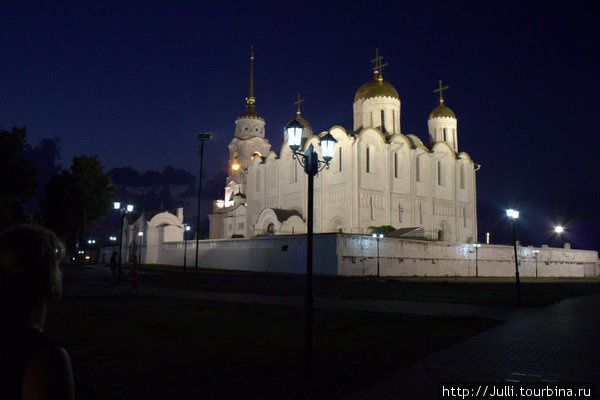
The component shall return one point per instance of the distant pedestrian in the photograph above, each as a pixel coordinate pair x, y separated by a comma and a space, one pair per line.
31, 366
113, 267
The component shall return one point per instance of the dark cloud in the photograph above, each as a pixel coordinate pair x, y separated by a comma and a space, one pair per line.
129, 177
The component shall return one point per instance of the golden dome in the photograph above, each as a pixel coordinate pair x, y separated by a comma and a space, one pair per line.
374, 88
250, 112
442, 111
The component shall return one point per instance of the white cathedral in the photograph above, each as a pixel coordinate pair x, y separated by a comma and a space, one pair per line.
378, 176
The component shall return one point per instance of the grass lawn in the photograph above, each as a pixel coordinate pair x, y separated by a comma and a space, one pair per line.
471, 291
133, 347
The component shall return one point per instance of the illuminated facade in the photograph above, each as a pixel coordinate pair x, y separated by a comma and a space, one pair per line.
378, 175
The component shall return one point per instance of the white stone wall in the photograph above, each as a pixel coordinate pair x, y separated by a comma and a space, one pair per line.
356, 255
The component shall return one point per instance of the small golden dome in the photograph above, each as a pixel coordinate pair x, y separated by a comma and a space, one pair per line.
250, 112
376, 87
442, 111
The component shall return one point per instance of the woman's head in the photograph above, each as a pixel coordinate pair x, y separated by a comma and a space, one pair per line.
29, 257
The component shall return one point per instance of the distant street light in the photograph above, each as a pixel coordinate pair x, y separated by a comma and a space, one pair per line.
477, 246
123, 210
514, 214
312, 165
91, 241
378, 236
186, 228
535, 253
202, 137
559, 230
112, 238
141, 236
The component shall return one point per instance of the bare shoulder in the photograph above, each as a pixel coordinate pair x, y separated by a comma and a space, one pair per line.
49, 376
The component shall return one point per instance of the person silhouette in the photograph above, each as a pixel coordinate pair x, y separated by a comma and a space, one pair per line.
31, 366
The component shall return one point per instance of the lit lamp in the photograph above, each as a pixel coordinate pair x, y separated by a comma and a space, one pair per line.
123, 210
378, 236
186, 228
141, 236
477, 246
312, 165
514, 214
559, 230
235, 166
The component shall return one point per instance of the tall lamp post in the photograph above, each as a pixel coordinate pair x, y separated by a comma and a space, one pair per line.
378, 236
202, 137
141, 241
535, 253
514, 214
477, 246
312, 165
125, 209
186, 228
559, 230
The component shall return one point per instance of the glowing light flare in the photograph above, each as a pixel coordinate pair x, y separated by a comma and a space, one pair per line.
559, 229
514, 214
220, 203
117, 205
235, 166
129, 207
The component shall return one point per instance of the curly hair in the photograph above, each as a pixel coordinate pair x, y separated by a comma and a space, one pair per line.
28, 255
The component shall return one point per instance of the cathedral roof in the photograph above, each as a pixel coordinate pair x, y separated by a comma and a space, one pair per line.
376, 87
283, 215
442, 111
250, 112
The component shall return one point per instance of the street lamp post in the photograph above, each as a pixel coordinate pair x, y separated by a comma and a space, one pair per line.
123, 210
186, 228
141, 241
514, 214
535, 253
312, 165
202, 137
477, 246
559, 230
377, 237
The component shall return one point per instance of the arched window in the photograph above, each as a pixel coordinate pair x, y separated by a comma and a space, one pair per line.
382, 121
462, 176
418, 169
368, 159
395, 165
445, 136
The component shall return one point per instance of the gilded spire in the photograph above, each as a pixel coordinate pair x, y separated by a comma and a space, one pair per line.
441, 90
378, 66
297, 103
250, 99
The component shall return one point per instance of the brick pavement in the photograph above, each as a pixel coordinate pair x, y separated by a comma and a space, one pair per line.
556, 344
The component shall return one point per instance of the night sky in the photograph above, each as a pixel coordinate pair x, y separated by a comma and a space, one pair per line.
135, 82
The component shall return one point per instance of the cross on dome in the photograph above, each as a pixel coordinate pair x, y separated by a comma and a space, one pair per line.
297, 103
378, 66
441, 89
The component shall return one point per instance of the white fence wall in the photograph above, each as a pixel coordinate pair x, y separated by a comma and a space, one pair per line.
350, 254
357, 255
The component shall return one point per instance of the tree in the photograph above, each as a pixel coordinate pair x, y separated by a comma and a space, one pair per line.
62, 208
385, 229
96, 190
18, 176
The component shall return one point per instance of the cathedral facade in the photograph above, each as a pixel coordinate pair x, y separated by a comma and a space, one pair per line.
378, 175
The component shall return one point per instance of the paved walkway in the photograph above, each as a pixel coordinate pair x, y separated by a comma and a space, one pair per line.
559, 343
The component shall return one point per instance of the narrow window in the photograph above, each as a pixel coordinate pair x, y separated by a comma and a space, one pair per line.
394, 121
420, 214
340, 159
368, 160
462, 176
371, 205
371, 115
464, 217
439, 173
395, 165
445, 137
418, 169
382, 121
400, 211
